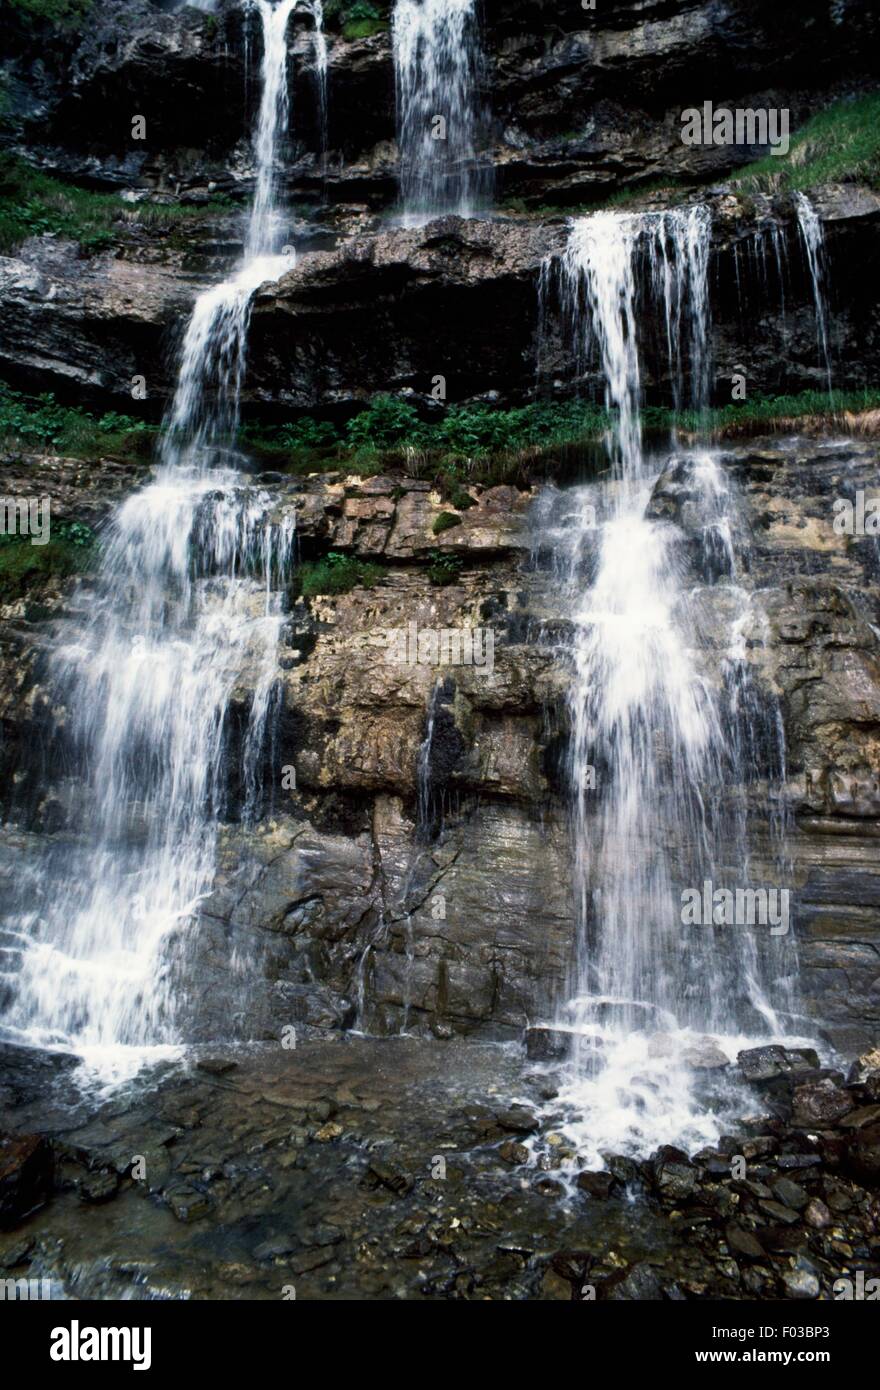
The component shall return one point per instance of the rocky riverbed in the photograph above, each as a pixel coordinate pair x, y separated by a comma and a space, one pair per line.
359, 1168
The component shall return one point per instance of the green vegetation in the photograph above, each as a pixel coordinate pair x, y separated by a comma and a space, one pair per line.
336, 574
40, 423
468, 444
359, 19
477, 443
847, 411
62, 12
443, 568
840, 144
32, 202
445, 522
71, 549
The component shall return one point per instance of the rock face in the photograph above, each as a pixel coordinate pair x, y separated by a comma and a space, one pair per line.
428, 883
559, 130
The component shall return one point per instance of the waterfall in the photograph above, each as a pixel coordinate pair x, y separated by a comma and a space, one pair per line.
813, 238
437, 62
166, 683
658, 773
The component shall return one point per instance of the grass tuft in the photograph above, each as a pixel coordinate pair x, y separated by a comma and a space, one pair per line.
838, 145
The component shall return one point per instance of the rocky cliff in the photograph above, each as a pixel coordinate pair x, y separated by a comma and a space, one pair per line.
411, 868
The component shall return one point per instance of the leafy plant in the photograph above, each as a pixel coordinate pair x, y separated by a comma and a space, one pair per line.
387, 421
336, 574
39, 422
443, 568
361, 19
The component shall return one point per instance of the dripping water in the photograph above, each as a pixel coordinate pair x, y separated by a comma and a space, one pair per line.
813, 238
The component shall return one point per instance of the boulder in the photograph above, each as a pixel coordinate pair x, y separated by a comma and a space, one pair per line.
26, 1176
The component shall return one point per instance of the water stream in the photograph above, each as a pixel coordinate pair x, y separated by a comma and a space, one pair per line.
166, 685
660, 770
437, 63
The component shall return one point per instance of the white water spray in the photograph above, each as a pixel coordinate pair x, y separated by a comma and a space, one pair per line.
813, 238
177, 654
437, 61
656, 779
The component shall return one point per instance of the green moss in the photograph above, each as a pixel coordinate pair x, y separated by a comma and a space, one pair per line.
71, 549
459, 499
840, 144
336, 574
445, 522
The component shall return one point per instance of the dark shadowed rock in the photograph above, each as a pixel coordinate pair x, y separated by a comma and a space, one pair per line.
545, 1044
743, 1243
864, 1153
599, 1184
819, 1105
26, 1176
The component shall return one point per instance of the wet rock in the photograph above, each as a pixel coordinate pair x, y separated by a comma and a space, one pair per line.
675, 1178
26, 1176
790, 1193
547, 1044
328, 1132
819, 1105
865, 1069
864, 1153
28, 1072
187, 1203
392, 1179
518, 1120
99, 1187
758, 1064
777, 1212
705, 1055
862, 1118
789, 1161
801, 1283
817, 1215
623, 1170
743, 1243
513, 1153
597, 1184
216, 1066
640, 1283
276, 1248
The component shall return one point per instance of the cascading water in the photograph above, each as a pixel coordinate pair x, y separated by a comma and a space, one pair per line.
437, 62
658, 772
186, 610
813, 238
762, 267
